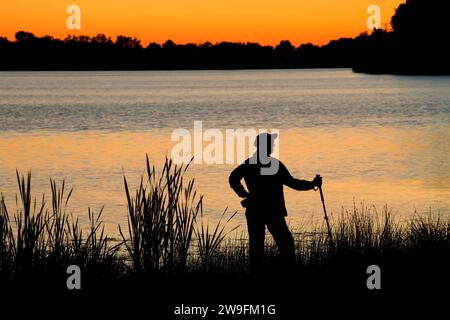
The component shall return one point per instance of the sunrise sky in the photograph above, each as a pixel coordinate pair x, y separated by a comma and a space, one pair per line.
263, 21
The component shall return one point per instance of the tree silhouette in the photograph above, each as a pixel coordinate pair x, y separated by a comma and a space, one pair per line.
422, 19
417, 45
23, 36
128, 42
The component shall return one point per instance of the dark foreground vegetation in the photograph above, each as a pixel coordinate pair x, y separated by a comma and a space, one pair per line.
418, 44
168, 254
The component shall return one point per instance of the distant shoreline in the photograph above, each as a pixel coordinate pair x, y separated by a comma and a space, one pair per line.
380, 52
198, 69
368, 70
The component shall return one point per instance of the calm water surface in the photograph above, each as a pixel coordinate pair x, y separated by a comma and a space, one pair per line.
377, 139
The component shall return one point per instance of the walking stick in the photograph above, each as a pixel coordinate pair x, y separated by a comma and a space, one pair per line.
330, 235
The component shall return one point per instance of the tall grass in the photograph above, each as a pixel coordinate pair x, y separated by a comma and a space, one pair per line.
161, 219
164, 216
209, 241
6, 250
39, 239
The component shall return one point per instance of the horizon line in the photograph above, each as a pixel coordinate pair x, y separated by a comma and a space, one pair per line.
114, 37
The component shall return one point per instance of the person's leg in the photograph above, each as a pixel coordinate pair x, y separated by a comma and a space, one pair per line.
283, 238
256, 234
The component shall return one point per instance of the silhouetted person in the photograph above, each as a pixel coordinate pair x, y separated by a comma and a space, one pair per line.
264, 200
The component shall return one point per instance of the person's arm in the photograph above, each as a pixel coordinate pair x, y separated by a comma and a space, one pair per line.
297, 184
235, 181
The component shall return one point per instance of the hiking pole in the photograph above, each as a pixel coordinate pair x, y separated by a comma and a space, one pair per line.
330, 235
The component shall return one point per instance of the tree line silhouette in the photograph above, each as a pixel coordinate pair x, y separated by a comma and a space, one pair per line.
29, 52
417, 45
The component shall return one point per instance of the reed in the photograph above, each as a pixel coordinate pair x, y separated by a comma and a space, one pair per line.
161, 219
41, 239
209, 241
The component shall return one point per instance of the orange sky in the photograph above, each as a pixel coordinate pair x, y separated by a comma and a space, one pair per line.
263, 21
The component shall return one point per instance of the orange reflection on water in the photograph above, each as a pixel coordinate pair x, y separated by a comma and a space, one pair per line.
406, 168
